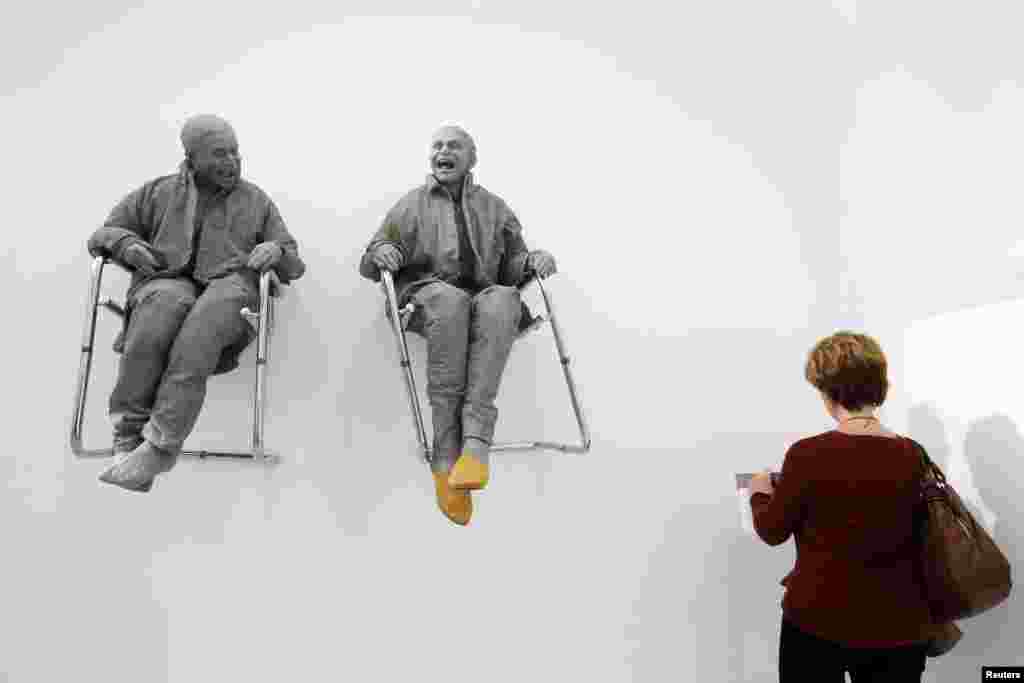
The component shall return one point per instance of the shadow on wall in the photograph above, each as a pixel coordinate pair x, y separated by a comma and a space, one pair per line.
925, 426
965, 76
754, 605
992, 451
993, 448
729, 581
753, 573
65, 602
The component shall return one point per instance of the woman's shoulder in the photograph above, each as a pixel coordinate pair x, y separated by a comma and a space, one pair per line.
884, 436
807, 452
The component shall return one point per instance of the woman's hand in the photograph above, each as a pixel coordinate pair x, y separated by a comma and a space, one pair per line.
762, 483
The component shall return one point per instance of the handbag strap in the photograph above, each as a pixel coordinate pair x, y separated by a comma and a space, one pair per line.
932, 477
920, 508
923, 459
934, 487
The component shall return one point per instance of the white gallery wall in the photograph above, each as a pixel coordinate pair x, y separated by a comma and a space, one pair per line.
722, 184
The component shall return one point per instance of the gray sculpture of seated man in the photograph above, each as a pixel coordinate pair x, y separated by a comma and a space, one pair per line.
196, 242
458, 254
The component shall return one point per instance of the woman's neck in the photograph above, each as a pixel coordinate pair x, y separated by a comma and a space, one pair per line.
859, 422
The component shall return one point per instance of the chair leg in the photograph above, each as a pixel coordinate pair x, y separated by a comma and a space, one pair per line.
92, 306
262, 351
262, 322
563, 358
398, 329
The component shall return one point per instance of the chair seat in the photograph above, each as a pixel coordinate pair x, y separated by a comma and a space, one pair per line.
269, 290
528, 322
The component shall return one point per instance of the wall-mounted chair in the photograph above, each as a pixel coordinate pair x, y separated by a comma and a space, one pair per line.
262, 322
399, 321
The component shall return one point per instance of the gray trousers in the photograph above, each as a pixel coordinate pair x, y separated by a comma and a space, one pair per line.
468, 343
172, 344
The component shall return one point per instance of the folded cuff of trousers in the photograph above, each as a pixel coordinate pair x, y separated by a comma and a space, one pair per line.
159, 438
478, 421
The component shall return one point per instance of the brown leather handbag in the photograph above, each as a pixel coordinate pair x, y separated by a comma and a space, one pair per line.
964, 571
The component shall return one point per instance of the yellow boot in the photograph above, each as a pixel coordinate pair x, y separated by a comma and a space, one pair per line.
469, 473
456, 505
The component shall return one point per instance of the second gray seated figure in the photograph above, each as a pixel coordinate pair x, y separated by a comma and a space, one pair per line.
195, 242
458, 255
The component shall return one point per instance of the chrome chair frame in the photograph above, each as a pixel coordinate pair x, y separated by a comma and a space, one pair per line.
262, 321
400, 322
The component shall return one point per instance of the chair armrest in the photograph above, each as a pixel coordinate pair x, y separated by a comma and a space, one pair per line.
276, 288
106, 259
531, 277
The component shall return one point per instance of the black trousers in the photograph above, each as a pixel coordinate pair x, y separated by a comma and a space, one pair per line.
805, 657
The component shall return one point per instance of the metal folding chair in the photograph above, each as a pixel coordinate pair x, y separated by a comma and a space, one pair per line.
262, 321
399, 322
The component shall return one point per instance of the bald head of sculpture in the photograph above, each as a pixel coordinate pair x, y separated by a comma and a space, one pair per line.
211, 151
452, 155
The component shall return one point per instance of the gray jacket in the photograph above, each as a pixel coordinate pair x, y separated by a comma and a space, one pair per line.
422, 226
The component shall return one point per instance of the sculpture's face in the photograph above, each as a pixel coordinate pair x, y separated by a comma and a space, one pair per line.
215, 159
451, 155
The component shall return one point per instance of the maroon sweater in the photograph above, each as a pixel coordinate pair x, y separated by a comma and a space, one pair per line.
849, 501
